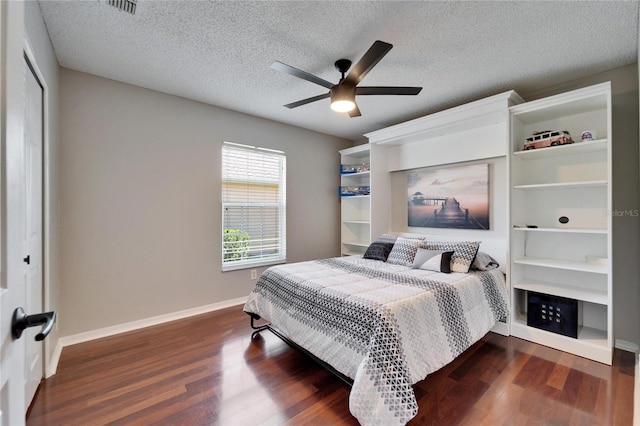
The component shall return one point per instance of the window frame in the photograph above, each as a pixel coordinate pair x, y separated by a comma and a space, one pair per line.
280, 206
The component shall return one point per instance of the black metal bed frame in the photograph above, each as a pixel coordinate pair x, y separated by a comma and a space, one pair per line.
268, 326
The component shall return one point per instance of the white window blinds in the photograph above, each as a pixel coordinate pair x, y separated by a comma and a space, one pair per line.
253, 206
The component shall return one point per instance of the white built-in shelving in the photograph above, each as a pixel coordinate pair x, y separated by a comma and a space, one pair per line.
355, 228
570, 259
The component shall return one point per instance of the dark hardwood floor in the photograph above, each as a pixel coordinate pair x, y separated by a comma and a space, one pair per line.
207, 370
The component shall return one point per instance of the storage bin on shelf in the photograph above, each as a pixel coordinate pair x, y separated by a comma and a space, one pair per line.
553, 313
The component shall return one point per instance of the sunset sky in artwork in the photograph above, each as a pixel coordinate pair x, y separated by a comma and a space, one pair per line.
468, 184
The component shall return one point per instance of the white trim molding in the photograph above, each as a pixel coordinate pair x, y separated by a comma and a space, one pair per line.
483, 112
633, 347
626, 346
636, 394
74, 339
51, 365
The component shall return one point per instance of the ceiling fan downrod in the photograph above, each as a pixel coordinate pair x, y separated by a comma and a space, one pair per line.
343, 66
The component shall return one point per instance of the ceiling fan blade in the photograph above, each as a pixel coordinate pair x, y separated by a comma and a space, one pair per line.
308, 100
368, 61
355, 112
387, 90
288, 69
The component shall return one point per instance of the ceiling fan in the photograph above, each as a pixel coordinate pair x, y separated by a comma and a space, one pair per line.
343, 94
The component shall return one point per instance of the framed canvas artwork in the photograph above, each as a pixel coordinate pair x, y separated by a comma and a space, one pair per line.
453, 197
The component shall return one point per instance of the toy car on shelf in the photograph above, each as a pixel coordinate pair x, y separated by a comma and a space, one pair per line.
547, 138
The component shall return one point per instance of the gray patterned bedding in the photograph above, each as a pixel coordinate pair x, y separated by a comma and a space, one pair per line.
385, 326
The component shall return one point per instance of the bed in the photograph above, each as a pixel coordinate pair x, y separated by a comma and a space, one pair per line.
385, 320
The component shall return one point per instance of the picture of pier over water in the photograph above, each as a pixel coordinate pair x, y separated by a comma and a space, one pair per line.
455, 197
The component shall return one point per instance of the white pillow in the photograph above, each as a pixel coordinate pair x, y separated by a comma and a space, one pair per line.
433, 260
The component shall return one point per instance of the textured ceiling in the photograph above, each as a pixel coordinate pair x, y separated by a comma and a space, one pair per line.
220, 52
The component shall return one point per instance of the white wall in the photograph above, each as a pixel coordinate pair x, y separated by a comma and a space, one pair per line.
488, 142
474, 133
47, 64
141, 212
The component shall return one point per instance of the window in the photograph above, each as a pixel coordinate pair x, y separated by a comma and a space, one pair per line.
253, 206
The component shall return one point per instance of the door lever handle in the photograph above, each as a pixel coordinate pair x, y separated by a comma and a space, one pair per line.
27, 260
21, 321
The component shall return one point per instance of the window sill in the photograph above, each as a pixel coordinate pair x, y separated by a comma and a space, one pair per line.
253, 265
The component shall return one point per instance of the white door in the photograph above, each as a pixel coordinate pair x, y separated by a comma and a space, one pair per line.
12, 293
33, 144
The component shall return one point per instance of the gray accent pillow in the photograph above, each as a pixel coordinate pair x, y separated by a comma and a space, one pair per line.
404, 251
484, 262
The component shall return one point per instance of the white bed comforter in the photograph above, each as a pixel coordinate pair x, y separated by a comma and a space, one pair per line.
385, 326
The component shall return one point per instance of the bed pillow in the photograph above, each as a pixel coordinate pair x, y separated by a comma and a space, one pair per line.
386, 238
378, 251
464, 252
433, 260
484, 262
404, 251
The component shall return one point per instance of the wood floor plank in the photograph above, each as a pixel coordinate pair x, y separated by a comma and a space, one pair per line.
559, 373
212, 370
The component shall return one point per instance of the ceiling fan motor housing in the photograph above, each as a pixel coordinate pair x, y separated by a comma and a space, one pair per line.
342, 93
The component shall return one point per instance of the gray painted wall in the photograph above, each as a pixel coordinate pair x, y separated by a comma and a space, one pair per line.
140, 201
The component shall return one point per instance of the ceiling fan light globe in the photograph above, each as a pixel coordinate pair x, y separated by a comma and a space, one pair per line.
343, 98
342, 105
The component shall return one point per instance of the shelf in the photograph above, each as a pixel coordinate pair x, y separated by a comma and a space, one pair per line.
359, 174
561, 185
356, 243
355, 200
599, 145
358, 151
572, 180
567, 230
589, 99
570, 265
346, 197
586, 335
563, 290
591, 342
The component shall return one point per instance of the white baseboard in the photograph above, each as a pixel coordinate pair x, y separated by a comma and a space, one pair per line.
626, 346
636, 394
52, 367
501, 328
133, 325
632, 347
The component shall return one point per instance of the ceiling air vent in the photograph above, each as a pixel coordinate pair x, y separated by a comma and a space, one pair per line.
128, 6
